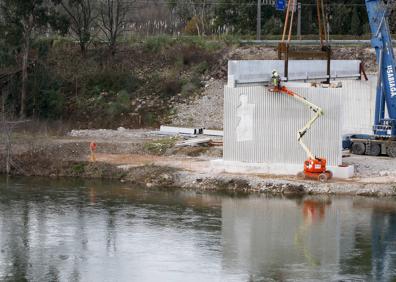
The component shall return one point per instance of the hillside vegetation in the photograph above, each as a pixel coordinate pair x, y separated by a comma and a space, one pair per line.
136, 87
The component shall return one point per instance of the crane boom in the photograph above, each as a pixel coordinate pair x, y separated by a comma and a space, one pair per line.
383, 141
378, 13
314, 167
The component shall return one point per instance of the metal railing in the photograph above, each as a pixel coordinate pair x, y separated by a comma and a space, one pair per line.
312, 42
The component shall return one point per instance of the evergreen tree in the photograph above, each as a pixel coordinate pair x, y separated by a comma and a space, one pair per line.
237, 15
356, 25
22, 21
82, 15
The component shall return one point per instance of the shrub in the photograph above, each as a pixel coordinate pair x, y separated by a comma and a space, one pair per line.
171, 87
43, 46
199, 42
201, 68
231, 39
120, 105
273, 26
188, 89
150, 119
63, 42
111, 81
45, 99
192, 55
192, 86
192, 27
78, 168
157, 43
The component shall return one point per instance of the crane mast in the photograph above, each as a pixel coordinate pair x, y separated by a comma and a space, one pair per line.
378, 13
383, 141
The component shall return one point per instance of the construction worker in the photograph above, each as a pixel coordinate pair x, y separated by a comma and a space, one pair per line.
276, 79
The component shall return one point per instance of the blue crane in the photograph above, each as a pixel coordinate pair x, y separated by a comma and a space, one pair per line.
384, 138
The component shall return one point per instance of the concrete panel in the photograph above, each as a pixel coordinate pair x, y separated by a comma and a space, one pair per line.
220, 166
261, 126
358, 103
258, 71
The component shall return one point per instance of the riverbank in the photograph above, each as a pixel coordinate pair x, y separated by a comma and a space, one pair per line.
144, 158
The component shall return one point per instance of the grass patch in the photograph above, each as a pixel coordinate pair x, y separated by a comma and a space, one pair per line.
78, 168
157, 43
159, 147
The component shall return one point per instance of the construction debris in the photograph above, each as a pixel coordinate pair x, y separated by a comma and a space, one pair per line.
180, 130
194, 142
210, 132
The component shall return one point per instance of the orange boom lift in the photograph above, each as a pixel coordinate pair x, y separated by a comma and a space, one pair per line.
314, 167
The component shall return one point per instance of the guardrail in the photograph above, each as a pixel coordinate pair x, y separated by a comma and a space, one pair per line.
313, 42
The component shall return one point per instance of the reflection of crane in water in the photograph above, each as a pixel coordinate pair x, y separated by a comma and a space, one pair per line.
383, 240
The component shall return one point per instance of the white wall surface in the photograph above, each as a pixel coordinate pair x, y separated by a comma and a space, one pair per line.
358, 104
262, 126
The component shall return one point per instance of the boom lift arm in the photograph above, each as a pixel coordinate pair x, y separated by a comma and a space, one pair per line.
318, 113
314, 167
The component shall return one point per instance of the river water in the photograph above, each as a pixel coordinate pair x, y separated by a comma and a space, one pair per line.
75, 230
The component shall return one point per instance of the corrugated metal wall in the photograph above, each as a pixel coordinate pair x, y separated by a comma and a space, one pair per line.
276, 119
358, 103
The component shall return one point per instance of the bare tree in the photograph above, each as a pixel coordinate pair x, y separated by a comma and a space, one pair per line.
392, 20
113, 20
196, 10
82, 17
28, 28
6, 130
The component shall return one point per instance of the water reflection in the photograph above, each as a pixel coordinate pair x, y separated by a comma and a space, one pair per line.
94, 231
383, 240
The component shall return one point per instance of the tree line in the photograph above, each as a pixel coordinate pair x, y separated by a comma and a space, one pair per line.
23, 21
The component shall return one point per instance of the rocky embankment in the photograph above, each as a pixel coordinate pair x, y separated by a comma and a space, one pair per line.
142, 158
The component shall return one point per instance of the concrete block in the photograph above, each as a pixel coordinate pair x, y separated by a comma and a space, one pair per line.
220, 165
258, 71
181, 130
211, 132
358, 105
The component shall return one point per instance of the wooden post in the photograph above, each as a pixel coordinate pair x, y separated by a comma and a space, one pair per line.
328, 50
299, 21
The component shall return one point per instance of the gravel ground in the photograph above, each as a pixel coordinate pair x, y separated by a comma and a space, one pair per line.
108, 134
367, 166
206, 111
250, 183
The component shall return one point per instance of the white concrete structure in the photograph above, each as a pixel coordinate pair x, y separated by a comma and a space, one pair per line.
262, 126
266, 168
259, 71
358, 99
358, 105
260, 130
